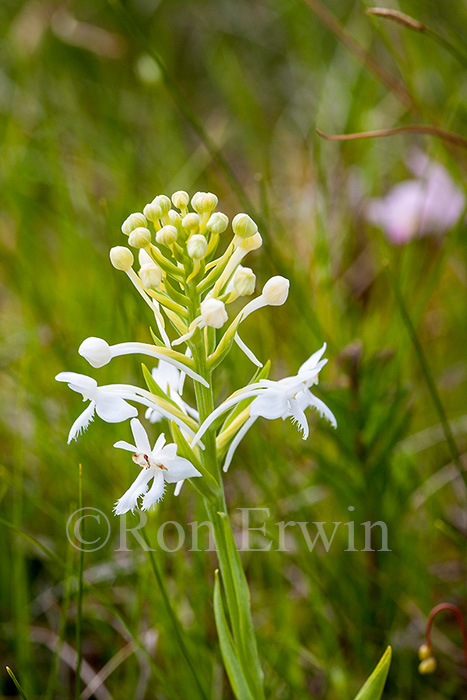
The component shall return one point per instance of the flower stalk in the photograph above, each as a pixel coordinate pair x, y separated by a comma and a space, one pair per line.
189, 294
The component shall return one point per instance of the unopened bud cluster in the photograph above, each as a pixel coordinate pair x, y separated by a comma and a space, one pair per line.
182, 274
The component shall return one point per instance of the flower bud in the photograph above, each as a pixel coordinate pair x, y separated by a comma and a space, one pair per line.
252, 243
213, 313
180, 199
244, 281
218, 222
197, 247
276, 291
152, 211
121, 257
427, 666
132, 222
167, 235
424, 652
140, 237
243, 226
191, 222
204, 201
164, 202
174, 217
150, 275
96, 351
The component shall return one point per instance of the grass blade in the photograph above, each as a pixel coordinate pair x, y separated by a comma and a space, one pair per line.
16, 682
374, 686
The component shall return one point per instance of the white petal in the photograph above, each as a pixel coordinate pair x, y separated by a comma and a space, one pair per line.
168, 452
270, 404
153, 415
129, 500
298, 416
156, 492
160, 442
251, 356
122, 445
166, 376
246, 393
179, 468
113, 409
140, 436
82, 422
313, 360
178, 487
236, 441
321, 407
78, 382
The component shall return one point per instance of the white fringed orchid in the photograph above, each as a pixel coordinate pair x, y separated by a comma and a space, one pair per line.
286, 398
161, 464
108, 406
110, 403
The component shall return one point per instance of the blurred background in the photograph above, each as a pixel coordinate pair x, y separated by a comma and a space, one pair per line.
103, 106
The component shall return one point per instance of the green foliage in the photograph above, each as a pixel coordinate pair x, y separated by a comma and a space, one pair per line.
374, 686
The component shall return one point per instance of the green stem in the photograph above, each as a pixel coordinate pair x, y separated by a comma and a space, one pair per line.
233, 577
79, 597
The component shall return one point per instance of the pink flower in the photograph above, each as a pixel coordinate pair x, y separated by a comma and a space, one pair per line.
428, 204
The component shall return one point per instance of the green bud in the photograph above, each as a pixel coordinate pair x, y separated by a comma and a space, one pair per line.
121, 258
152, 211
203, 202
140, 237
197, 247
150, 275
167, 235
243, 226
191, 222
164, 202
244, 281
132, 222
218, 222
180, 200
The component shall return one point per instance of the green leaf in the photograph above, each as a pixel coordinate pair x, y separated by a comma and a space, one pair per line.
228, 651
245, 639
156, 340
224, 346
374, 686
16, 682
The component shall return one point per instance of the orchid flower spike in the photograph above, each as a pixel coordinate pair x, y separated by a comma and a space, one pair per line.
108, 406
286, 398
161, 464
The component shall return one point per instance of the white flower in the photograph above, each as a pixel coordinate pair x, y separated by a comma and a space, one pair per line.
286, 398
169, 379
110, 403
108, 406
161, 464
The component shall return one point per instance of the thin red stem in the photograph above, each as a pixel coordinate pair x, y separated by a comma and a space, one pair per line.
439, 608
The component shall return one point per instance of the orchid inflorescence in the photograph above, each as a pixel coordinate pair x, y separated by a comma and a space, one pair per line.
189, 290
